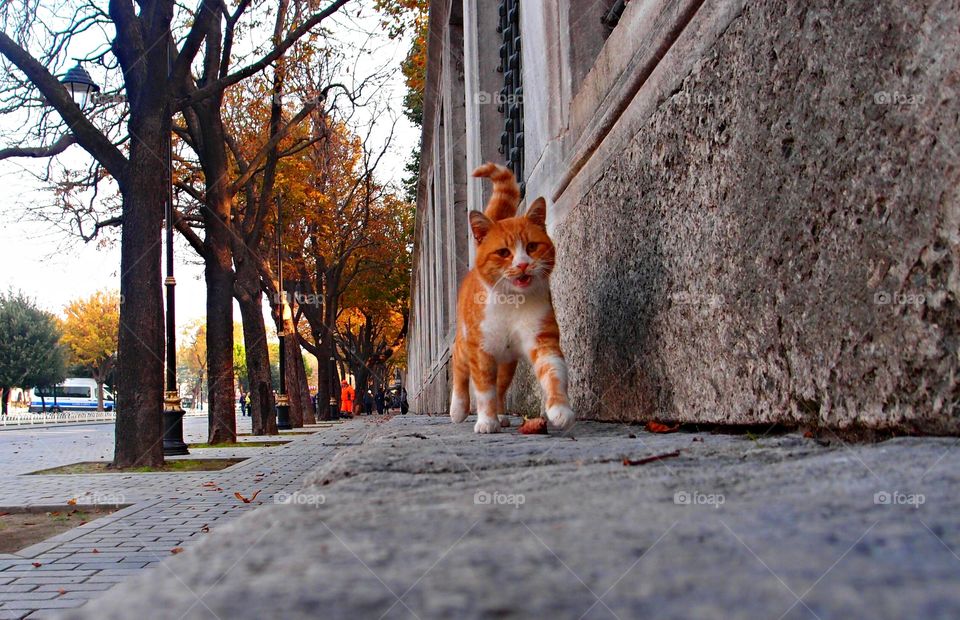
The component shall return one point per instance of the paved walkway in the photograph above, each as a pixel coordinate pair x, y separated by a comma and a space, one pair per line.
166, 512
425, 519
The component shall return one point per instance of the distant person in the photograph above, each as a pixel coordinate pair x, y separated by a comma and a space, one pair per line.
381, 400
246, 401
404, 405
347, 397
242, 401
368, 403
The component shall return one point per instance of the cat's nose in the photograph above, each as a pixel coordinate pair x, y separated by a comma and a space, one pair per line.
522, 266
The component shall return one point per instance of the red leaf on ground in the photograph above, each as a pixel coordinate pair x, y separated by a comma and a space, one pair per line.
808, 434
95, 550
656, 427
37, 564
72, 502
244, 499
61, 591
176, 550
534, 426
650, 459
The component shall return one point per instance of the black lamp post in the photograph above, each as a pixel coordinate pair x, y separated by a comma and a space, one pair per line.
172, 410
283, 405
334, 410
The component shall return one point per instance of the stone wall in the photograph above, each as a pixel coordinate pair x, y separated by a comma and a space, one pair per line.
779, 240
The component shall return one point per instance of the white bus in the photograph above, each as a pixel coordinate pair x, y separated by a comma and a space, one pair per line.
74, 394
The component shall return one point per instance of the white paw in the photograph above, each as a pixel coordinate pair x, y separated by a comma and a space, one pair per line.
458, 409
561, 416
487, 425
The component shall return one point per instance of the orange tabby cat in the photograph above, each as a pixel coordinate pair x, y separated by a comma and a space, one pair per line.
504, 309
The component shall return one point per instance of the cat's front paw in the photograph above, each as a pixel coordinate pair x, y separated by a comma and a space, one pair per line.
561, 416
459, 410
487, 425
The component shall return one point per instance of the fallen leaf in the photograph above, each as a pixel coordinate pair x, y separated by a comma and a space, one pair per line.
176, 550
61, 591
698, 438
650, 459
72, 502
808, 434
205, 529
534, 426
37, 564
656, 427
632, 436
244, 499
95, 550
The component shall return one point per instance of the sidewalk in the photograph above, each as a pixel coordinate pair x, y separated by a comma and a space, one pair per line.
167, 511
425, 519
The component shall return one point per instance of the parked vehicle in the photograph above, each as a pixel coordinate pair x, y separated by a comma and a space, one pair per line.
74, 394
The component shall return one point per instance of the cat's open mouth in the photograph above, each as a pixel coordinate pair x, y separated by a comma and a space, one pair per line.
523, 281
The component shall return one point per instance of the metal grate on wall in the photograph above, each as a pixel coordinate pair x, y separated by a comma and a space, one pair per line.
511, 95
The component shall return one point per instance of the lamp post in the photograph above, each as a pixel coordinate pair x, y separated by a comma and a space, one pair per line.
173, 443
334, 410
283, 405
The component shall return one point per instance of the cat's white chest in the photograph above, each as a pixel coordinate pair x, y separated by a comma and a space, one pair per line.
509, 328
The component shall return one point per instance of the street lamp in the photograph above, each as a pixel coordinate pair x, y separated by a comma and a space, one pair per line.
81, 88
80, 85
173, 443
283, 405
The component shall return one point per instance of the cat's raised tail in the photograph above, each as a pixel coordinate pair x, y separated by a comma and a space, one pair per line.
506, 193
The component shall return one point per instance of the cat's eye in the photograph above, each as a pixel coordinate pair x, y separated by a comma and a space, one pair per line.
532, 247
503, 253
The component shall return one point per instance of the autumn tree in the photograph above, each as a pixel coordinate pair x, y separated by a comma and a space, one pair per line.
91, 329
192, 360
30, 351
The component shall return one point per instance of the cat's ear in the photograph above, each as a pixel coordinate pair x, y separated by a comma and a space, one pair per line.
537, 212
480, 224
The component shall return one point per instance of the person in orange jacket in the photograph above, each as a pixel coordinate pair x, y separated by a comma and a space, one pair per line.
347, 397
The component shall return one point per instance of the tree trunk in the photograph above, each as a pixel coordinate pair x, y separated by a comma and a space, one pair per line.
5, 396
309, 412
325, 370
263, 412
99, 395
294, 358
141, 346
218, 271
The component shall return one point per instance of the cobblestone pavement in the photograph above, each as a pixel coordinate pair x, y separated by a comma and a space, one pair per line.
425, 519
165, 511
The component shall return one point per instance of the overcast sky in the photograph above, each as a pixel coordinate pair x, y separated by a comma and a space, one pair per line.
54, 268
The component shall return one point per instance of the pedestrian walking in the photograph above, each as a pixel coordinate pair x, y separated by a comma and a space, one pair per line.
381, 400
243, 404
368, 403
347, 397
404, 405
246, 401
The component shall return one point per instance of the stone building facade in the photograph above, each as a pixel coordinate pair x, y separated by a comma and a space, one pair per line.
756, 204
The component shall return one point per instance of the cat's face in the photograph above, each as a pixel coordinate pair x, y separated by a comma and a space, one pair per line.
515, 252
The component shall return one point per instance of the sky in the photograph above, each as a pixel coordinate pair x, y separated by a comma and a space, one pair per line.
53, 267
